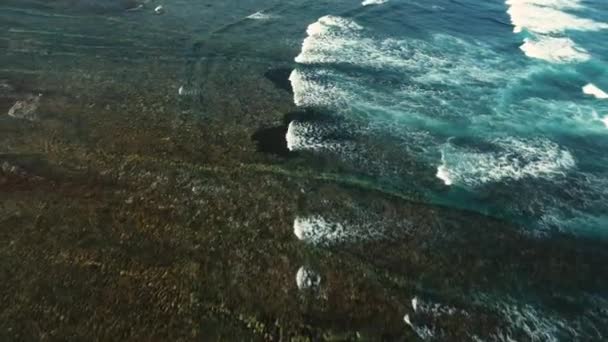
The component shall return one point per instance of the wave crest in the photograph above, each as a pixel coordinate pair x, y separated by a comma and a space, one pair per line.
513, 159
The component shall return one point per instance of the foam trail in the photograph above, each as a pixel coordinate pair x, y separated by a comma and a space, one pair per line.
303, 136
373, 2
514, 159
591, 89
327, 230
260, 15
313, 136
317, 230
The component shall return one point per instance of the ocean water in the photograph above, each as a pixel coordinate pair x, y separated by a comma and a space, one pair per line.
464, 143
501, 107
505, 101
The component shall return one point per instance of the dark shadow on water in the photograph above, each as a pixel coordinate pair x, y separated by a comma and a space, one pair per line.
280, 78
272, 140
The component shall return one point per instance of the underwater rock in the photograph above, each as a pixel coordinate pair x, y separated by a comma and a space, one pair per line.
26, 109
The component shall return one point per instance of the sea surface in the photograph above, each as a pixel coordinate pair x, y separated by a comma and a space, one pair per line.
504, 101
493, 108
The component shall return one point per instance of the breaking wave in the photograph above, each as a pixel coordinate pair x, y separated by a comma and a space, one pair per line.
547, 21
509, 159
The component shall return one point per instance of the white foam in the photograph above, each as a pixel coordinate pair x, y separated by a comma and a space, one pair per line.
565, 4
302, 136
308, 91
307, 279
260, 15
597, 117
329, 40
361, 226
311, 136
373, 2
515, 159
556, 50
317, 230
547, 21
443, 172
435, 309
548, 17
424, 61
437, 312
338, 40
591, 89
186, 91
424, 332
327, 24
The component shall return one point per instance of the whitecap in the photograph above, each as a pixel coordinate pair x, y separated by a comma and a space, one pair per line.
547, 22
318, 230
325, 229
309, 91
556, 50
260, 15
415, 304
513, 159
548, 17
443, 173
187, 91
373, 2
303, 136
334, 39
591, 89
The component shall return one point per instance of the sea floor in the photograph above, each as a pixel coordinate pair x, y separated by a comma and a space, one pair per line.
133, 210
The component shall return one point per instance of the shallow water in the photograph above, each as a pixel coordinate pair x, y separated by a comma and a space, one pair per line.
393, 169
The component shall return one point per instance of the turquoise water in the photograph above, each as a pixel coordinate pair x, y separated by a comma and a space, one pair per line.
494, 107
489, 95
